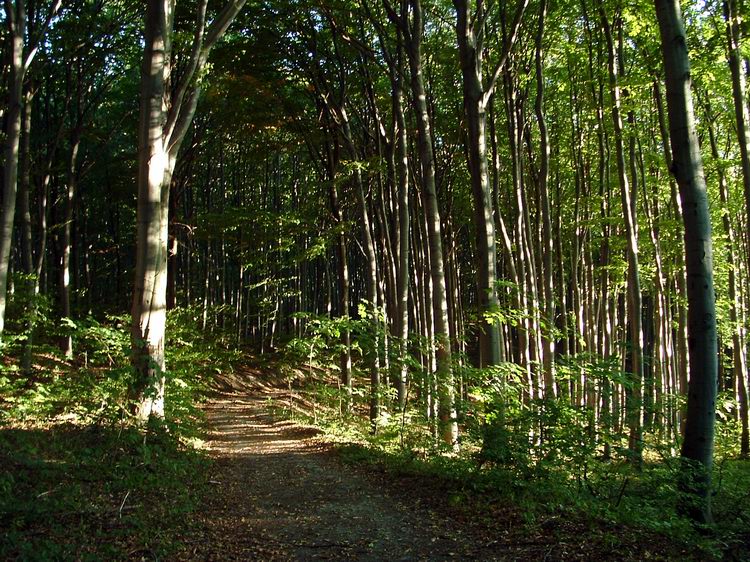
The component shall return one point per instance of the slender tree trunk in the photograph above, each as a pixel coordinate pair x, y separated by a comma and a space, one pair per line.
507, 246
548, 340
402, 167
371, 280
444, 374
470, 58
24, 212
65, 277
525, 298
631, 233
742, 118
343, 294
24, 186
687, 167
739, 351
15, 19
172, 250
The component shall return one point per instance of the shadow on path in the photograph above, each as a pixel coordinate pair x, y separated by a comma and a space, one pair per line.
278, 494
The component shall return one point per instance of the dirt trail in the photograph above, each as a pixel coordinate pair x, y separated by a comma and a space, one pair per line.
280, 494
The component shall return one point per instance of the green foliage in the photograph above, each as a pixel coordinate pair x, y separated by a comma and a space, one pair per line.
103, 343
84, 482
543, 455
321, 344
194, 359
97, 386
88, 395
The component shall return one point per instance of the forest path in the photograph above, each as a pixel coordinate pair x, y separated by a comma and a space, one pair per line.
279, 493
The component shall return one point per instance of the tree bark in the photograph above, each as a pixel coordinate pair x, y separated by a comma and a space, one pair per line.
448, 425
548, 340
687, 167
742, 118
739, 351
65, 269
24, 212
165, 116
154, 176
15, 18
631, 233
402, 167
371, 279
470, 58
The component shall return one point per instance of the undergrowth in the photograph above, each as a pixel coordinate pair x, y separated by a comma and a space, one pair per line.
560, 475
94, 491
79, 479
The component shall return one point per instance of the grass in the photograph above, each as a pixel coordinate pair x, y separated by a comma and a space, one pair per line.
78, 479
93, 492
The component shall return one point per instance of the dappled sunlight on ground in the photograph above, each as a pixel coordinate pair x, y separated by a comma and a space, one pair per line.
278, 491
242, 427
279, 494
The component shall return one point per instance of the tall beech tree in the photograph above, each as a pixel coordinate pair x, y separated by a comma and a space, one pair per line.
687, 167
739, 348
169, 96
23, 41
412, 29
543, 181
635, 296
471, 34
741, 110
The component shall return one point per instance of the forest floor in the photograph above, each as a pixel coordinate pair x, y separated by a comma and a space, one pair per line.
279, 491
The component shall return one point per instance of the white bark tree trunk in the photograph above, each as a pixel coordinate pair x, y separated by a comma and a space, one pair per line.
165, 116
20, 56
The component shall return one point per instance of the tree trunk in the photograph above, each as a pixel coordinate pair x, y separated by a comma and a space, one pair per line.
165, 116
631, 233
343, 294
24, 207
444, 373
16, 21
548, 340
739, 352
24, 212
470, 56
742, 118
70, 189
371, 279
687, 167
680, 361
154, 176
402, 167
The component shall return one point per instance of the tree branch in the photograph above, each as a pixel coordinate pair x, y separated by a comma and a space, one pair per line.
34, 43
506, 50
187, 77
181, 113
10, 16
184, 120
221, 23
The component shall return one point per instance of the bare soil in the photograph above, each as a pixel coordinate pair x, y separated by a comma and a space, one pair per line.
282, 494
